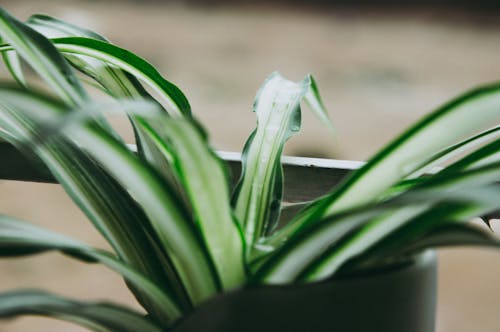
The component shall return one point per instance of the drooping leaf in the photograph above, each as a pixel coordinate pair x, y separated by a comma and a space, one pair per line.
13, 64
451, 235
109, 206
19, 238
97, 316
315, 103
171, 97
43, 57
118, 84
166, 218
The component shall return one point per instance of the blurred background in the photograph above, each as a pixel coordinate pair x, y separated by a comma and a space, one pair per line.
379, 66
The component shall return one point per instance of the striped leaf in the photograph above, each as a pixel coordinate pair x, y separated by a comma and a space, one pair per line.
443, 128
96, 316
13, 63
257, 197
170, 96
167, 220
205, 180
108, 205
320, 249
19, 238
118, 84
453, 151
43, 58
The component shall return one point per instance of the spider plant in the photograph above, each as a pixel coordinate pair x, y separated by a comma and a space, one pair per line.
177, 233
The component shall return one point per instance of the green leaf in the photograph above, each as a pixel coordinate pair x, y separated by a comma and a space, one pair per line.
488, 154
97, 316
207, 187
108, 204
112, 80
315, 103
118, 84
474, 203
13, 64
457, 149
417, 237
48, 25
451, 235
19, 238
257, 197
43, 57
320, 249
205, 180
172, 98
453, 122
166, 217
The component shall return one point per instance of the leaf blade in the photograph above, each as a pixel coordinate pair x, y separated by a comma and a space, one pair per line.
94, 315
17, 237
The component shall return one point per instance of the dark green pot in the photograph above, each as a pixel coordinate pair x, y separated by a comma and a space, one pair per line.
401, 299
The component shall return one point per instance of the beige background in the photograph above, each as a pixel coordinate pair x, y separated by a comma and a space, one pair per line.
378, 71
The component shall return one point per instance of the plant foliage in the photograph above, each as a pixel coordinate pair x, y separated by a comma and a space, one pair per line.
177, 234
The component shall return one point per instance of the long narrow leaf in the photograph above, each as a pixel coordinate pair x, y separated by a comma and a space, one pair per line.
97, 316
17, 238
488, 154
370, 225
168, 220
113, 211
457, 149
258, 195
43, 57
453, 122
174, 100
381, 228
207, 188
451, 235
13, 64
115, 82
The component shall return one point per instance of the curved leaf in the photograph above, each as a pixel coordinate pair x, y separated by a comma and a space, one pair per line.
108, 204
97, 316
19, 238
257, 197
175, 101
115, 82
457, 149
204, 178
166, 217
13, 64
43, 57
311, 256
453, 122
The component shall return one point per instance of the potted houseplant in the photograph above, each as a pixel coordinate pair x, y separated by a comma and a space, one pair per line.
197, 257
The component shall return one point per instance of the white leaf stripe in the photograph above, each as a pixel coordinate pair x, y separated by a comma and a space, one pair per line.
168, 221
306, 247
43, 57
103, 317
16, 235
453, 122
174, 100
